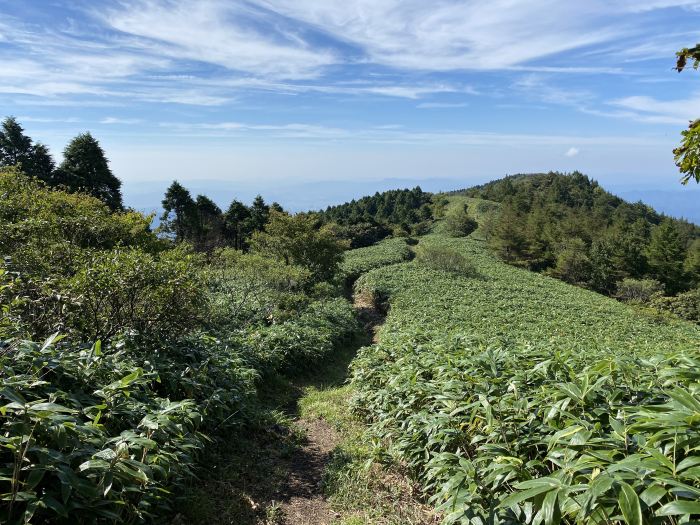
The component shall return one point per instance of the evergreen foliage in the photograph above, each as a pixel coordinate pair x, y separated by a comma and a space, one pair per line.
17, 149
568, 226
373, 217
85, 168
200, 222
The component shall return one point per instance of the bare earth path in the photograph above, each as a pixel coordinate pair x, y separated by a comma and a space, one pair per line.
301, 496
272, 473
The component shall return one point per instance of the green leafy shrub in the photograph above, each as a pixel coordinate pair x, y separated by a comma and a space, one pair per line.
638, 290
361, 260
249, 289
42, 227
300, 240
685, 305
113, 291
422, 228
84, 436
573, 264
298, 343
458, 223
444, 259
360, 234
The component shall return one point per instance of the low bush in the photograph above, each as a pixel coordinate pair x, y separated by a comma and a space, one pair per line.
458, 223
300, 342
115, 291
248, 289
638, 290
444, 259
359, 261
361, 234
85, 437
521, 399
162, 349
685, 305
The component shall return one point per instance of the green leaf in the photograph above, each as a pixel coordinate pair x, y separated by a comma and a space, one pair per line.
652, 495
94, 464
687, 463
50, 407
517, 497
54, 505
13, 396
676, 508
629, 504
54, 338
550, 508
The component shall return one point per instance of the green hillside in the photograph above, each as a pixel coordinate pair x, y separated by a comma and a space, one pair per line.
511, 394
174, 376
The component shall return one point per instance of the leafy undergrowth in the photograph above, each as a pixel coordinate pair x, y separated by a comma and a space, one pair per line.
250, 467
515, 398
386, 252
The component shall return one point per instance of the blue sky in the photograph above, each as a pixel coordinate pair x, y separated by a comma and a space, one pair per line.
278, 93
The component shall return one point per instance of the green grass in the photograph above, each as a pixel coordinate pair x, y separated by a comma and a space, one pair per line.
509, 393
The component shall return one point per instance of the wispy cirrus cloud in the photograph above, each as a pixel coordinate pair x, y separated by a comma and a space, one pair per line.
652, 110
394, 134
538, 87
237, 36
460, 35
208, 52
442, 105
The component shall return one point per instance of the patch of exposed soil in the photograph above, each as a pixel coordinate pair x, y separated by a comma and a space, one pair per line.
302, 500
301, 496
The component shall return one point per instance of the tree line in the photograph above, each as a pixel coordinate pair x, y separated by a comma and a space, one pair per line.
367, 220
85, 167
201, 222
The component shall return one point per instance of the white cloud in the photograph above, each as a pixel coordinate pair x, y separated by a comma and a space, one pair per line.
392, 134
655, 111
453, 35
232, 35
116, 120
206, 53
537, 87
48, 120
572, 152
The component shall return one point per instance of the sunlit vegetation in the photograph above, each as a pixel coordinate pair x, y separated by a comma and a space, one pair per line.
536, 366
569, 227
517, 398
145, 351
373, 218
361, 260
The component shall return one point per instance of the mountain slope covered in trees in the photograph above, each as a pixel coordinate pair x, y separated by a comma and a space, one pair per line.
571, 228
